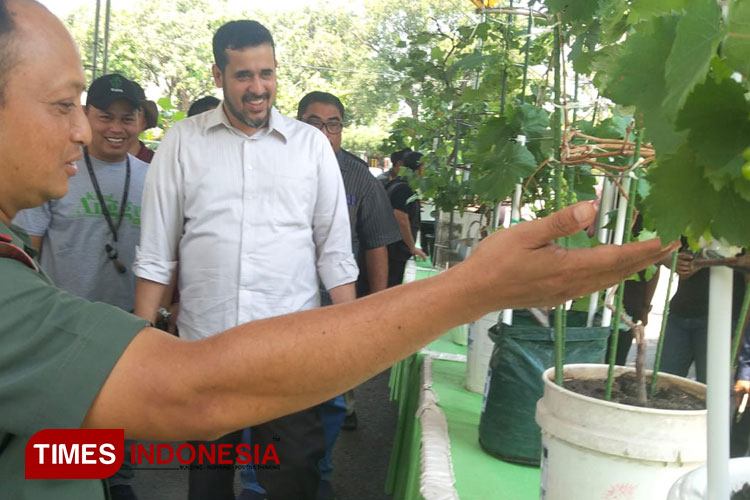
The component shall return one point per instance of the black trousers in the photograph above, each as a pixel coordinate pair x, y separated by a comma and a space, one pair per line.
396, 270
300, 444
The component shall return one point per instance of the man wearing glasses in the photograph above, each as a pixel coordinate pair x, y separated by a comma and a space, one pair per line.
373, 227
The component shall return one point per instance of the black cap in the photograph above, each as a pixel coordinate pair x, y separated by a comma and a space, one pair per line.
109, 88
411, 160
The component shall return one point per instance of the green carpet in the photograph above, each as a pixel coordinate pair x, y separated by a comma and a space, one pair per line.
479, 476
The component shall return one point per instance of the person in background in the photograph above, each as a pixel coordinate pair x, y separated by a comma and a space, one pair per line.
256, 205
87, 238
373, 227
406, 209
69, 363
203, 104
685, 337
148, 118
397, 161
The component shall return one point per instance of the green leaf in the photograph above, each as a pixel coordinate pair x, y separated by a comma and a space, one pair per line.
640, 80
730, 218
643, 10
698, 35
470, 61
736, 47
530, 121
578, 240
680, 197
482, 30
165, 103
613, 19
716, 115
504, 168
720, 69
609, 128
573, 11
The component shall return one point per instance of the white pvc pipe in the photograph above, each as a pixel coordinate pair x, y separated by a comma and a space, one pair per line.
515, 218
718, 380
605, 205
622, 206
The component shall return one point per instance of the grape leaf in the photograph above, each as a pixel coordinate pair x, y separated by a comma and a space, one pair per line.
698, 35
609, 128
578, 240
731, 219
640, 66
573, 11
680, 197
530, 120
643, 10
716, 115
736, 47
503, 168
613, 19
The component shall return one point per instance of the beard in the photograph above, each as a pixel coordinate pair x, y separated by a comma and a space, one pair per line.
246, 120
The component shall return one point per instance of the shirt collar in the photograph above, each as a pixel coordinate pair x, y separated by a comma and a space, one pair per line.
341, 157
276, 123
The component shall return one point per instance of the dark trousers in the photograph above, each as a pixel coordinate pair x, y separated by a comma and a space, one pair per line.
740, 435
396, 272
299, 441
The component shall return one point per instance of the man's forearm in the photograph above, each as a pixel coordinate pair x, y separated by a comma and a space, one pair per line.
402, 219
376, 264
148, 297
168, 389
343, 293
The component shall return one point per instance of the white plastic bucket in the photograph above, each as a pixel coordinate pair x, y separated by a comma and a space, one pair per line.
479, 352
595, 449
692, 486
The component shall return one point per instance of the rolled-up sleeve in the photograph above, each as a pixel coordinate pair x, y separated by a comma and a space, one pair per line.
161, 213
331, 229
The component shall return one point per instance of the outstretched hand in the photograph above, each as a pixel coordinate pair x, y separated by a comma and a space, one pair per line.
523, 267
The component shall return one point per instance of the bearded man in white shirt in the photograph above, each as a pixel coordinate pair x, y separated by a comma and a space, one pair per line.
254, 204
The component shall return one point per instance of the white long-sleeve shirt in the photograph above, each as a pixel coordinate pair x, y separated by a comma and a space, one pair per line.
252, 220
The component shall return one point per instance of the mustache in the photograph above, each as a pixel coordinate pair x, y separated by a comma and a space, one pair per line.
251, 97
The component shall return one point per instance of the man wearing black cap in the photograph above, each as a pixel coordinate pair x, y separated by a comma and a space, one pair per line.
87, 238
406, 208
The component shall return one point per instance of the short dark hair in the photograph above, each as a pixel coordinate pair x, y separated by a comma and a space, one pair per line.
321, 97
236, 35
8, 49
398, 156
203, 104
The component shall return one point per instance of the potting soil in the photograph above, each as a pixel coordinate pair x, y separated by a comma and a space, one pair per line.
624, 390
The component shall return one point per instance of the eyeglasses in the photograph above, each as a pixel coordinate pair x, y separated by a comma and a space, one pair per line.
333, 126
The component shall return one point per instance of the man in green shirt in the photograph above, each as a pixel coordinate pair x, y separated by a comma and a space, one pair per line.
68, 363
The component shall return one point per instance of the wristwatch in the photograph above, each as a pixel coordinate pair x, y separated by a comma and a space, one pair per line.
162, 318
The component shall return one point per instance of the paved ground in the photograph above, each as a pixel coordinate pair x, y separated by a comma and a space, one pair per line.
360, 458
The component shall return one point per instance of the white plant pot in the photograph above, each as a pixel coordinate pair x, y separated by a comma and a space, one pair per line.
692, 486
479, 352
595, 449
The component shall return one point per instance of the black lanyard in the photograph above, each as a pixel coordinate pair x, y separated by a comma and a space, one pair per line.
114, 228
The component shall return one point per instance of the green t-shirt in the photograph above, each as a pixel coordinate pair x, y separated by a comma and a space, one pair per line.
56, 351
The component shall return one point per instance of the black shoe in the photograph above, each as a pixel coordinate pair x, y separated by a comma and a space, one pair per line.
350, 422
325, 491
122, 492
